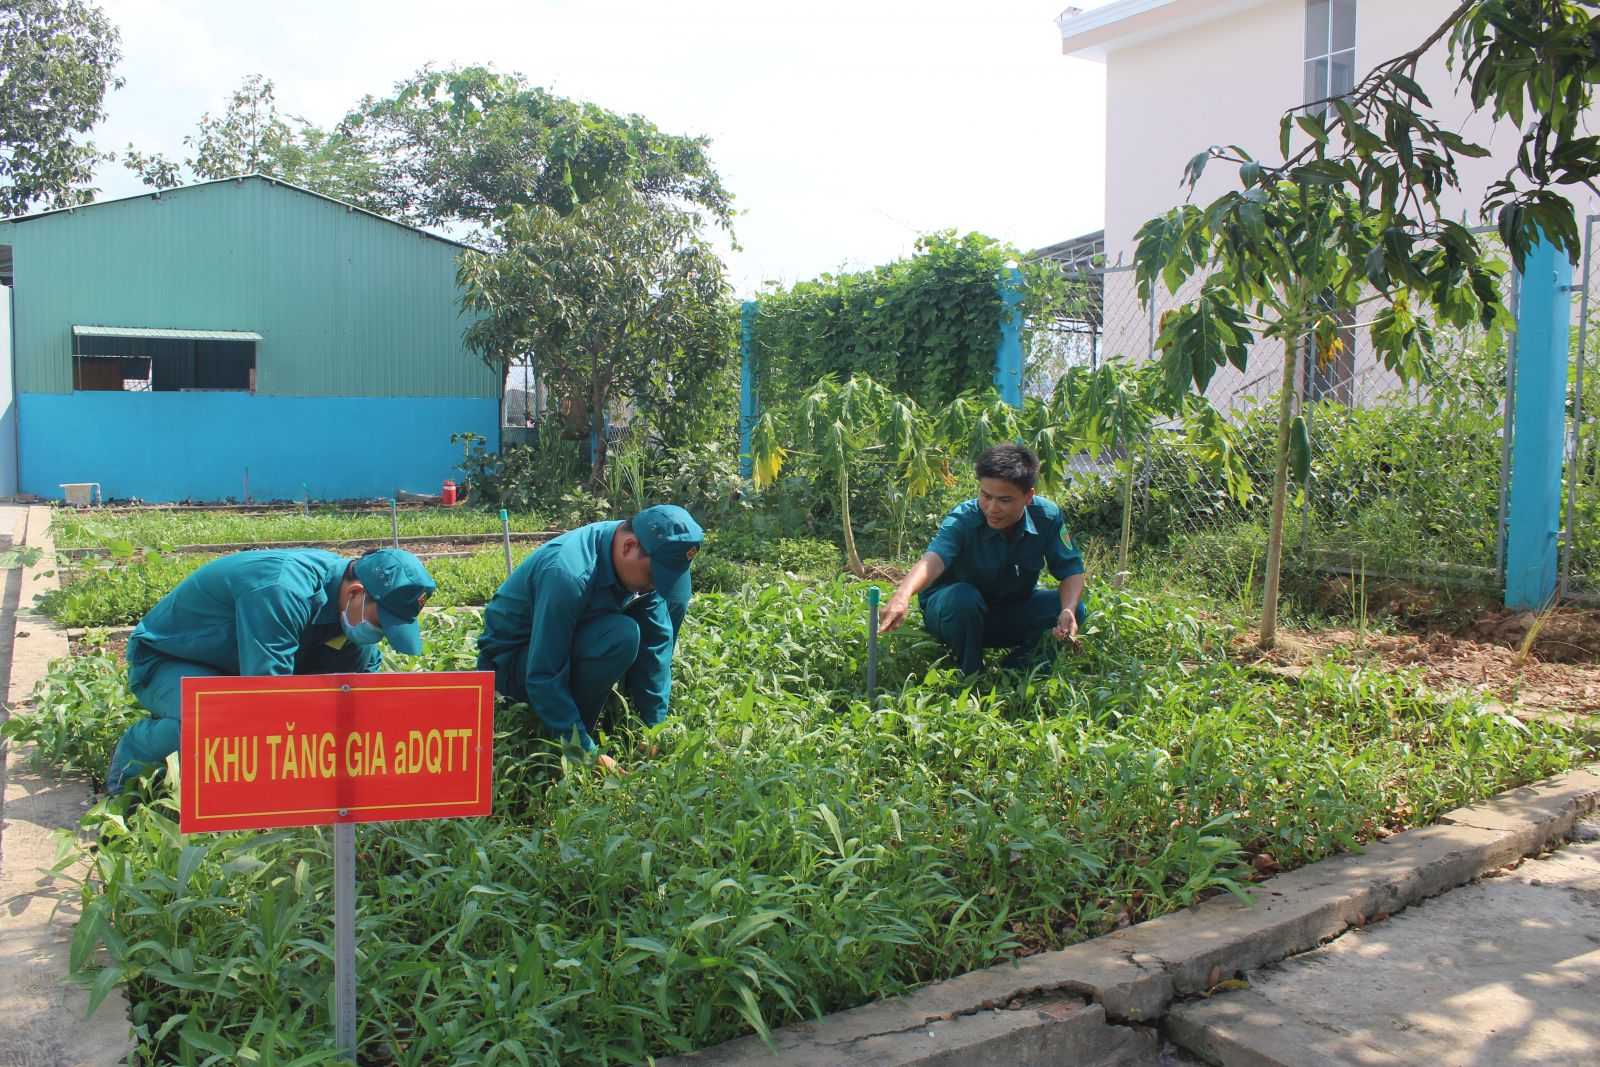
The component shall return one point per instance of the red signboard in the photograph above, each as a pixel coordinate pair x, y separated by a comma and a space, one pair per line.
332, 748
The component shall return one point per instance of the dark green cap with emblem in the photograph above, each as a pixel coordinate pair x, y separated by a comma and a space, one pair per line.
400, 585
670, 537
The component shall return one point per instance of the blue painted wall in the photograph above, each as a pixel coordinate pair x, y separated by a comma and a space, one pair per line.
164, 447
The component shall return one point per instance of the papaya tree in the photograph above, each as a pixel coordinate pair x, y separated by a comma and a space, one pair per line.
843, 424
840, 424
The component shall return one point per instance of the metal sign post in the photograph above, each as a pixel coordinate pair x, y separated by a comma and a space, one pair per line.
344, 939
394, 520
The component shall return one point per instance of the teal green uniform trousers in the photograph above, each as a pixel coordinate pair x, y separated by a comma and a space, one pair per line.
269, 612
958, 615
604, 649
157, 684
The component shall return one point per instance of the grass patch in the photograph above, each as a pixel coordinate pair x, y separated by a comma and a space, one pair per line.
91, 529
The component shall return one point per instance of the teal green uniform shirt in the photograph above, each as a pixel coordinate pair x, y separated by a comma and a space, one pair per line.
540, 606
1005, 571
252, 613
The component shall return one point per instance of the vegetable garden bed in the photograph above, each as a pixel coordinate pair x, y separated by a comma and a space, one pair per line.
167, 526
422, 546
791, 851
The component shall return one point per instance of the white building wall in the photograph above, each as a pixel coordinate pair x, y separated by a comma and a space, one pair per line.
1230, 80
1225, 75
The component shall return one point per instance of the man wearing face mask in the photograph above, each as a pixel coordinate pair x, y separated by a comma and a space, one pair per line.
596, 606
271, 612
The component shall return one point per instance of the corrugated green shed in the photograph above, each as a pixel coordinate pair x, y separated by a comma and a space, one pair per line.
348, 304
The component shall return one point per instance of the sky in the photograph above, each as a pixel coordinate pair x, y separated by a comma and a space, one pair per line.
843, 129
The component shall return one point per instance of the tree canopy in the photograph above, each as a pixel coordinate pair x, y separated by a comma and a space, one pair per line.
462, 148
611, 296
251, 136
472, 146
56, 62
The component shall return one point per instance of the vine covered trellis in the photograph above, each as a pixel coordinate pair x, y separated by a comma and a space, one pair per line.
925, 326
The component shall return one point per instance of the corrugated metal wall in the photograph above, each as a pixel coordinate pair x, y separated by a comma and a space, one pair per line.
8, 401
347, 304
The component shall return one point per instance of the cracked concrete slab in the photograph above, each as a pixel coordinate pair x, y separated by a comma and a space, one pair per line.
1502, 972
1043, 1033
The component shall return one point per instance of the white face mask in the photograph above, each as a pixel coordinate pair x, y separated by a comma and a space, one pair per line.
360, 632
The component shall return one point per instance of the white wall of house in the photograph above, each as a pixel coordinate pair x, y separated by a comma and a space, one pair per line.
1182, 75
1227, 77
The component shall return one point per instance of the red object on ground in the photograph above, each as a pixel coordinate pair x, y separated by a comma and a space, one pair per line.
447, 496
304, 750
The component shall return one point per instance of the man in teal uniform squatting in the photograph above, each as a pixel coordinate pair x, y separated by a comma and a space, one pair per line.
979, 578
593, 607
272, 612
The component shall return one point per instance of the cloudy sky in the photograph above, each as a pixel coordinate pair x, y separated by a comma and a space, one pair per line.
844, 129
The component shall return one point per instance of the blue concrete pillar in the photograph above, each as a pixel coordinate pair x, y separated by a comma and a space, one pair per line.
747, 386
1008, 353
1533, 511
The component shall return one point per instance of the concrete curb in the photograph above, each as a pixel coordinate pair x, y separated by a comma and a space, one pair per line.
47, 1022
1134, 974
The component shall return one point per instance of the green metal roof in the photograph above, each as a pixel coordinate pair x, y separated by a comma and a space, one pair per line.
236, 180
177, 335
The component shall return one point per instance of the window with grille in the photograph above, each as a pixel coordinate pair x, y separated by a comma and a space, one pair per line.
1330, 50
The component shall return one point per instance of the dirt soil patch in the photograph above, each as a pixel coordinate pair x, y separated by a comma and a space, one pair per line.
116, 642
884, 572
1489, 654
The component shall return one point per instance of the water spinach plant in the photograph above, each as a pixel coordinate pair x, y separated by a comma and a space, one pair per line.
788, 851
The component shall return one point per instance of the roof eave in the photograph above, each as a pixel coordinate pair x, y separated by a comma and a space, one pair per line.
267, 178
1096, 34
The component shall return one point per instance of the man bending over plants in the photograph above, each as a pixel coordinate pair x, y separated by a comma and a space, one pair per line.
266, 612
979, 578
596, 606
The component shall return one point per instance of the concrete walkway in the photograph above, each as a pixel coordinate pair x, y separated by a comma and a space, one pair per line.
1501, 973
44, 1021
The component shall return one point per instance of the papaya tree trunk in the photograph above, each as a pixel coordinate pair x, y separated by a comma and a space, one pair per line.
854, 558
1280, 492
597, 431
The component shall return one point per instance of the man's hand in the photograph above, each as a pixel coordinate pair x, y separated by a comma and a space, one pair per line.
1066, 625
607, 765
893, 614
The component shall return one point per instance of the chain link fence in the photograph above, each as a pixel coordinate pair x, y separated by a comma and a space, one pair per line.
1580, 542
1405, 480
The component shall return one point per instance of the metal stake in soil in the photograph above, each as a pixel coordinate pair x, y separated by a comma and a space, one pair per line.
872, 645
305, 499
344, 940
505, 530
394, 520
